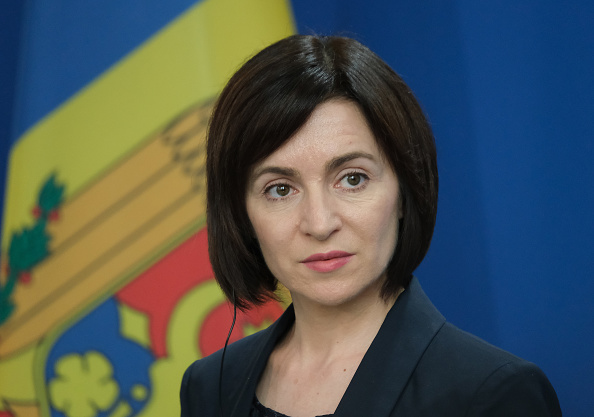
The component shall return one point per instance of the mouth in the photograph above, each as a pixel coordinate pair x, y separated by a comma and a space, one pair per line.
327, 262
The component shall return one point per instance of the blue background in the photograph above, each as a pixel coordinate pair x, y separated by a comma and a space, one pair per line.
508, 88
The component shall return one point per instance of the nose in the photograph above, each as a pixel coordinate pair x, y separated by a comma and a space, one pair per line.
319, 216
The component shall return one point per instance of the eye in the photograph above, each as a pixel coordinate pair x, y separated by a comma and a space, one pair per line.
353, 180
278, 191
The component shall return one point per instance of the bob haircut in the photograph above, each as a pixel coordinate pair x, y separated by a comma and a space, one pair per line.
264, 104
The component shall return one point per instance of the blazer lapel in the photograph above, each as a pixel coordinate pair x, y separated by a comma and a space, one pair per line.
393, 355
241, 392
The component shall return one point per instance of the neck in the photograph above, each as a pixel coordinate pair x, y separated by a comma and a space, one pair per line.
323, 332
320, 354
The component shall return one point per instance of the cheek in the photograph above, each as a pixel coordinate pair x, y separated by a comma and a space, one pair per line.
262, 234
273, 235
383, 223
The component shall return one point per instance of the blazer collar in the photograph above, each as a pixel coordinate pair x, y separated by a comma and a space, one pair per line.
408, 328
257, 362
393, 355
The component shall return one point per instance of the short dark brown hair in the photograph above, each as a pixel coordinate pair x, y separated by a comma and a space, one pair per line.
264, 103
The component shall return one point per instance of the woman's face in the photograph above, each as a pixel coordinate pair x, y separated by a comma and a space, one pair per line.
325, 208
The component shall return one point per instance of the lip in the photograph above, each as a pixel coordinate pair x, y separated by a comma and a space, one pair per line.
327, 262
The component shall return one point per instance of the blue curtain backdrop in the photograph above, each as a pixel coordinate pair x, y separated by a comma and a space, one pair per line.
508, 88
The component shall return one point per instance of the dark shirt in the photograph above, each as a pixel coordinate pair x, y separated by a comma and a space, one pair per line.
258, 410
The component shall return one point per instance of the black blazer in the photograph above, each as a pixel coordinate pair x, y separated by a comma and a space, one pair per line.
417, 365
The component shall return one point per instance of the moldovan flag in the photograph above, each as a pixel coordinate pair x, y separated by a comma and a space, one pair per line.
106, 292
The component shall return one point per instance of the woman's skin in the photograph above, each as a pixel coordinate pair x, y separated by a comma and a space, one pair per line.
325, 209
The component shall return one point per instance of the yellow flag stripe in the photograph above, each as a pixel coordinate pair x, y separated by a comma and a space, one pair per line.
186, 62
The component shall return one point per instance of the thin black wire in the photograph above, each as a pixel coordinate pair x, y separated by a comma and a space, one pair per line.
223, 356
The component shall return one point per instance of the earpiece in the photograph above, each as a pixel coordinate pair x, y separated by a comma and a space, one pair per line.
223, 355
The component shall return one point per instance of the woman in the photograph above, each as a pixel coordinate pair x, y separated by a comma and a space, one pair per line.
322, 176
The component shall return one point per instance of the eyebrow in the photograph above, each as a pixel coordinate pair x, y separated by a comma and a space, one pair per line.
330, 165
286, 172
343, 159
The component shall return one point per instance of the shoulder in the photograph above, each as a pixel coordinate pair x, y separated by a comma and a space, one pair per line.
483, 380
466, 350
236, 352
244, 361
456, 371
200, 383
517, 388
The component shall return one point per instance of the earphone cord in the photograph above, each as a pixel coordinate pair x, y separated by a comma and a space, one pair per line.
223, 355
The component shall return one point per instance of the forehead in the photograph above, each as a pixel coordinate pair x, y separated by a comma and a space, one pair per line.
334, 128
